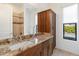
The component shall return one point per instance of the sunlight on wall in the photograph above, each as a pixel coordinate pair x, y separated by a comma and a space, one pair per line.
70, 14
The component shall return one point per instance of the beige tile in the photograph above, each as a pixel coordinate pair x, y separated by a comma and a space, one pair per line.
59, 52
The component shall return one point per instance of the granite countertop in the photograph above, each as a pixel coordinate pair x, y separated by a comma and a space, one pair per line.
21, 46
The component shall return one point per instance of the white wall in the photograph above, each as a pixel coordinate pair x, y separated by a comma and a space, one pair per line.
68, 45
5, 21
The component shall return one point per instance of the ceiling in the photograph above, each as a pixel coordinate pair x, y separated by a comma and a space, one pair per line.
35, 6
62, 4
39, 5
43, 5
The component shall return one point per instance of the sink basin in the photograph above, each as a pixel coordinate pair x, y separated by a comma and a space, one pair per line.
34, 40
20, 45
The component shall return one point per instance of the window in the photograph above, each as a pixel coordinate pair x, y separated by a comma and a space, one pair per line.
70, 20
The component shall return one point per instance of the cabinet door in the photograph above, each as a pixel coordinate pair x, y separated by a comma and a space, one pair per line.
50, 52
37, 50
44, 21
45, 48
47, 22
33, 51
40, 22
28, 52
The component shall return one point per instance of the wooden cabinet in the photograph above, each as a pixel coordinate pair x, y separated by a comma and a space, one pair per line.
33, 51
45, 48
42, 49
47, 23
50, 52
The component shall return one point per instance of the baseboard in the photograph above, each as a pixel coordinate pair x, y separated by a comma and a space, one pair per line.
67, 51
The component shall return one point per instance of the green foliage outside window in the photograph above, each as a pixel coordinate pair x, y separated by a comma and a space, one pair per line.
69, 29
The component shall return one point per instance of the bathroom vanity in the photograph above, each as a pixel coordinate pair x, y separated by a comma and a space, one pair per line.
37, 45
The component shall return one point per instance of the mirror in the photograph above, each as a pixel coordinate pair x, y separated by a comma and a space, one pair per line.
30, 19
11, 20
5, 21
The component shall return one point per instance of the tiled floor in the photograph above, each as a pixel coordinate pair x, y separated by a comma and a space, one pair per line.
58, 52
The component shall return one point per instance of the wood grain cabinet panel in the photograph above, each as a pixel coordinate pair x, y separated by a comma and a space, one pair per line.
47, 23
33, 51
50, 51
45, 48
46, 20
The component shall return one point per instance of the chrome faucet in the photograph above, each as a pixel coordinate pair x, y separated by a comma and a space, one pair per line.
14, 37
36, 29
20, 36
